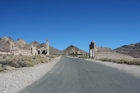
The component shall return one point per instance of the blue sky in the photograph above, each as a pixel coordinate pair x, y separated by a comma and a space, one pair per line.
110, 23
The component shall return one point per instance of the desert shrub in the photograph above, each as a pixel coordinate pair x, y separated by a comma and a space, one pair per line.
116, 60
105, 59
84, 57
124, 61
39, 59
25, 63
138, 62
20, 55
11, 56
4, 56
52, 56
42, 61
29, 58
18, 62
135, 62
1, 68
13, 63
8, 55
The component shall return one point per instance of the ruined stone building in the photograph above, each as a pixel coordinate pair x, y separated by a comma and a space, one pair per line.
14, 50
105, 52
44, 50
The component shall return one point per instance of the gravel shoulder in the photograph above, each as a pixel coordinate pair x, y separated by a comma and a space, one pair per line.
15, 80
132, 69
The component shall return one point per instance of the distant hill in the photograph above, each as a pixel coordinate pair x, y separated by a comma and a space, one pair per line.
131, 50
72, 49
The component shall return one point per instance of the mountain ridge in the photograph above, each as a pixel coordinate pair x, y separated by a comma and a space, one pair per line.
131, 50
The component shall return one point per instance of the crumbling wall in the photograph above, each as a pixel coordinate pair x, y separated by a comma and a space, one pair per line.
25, 52
112, 55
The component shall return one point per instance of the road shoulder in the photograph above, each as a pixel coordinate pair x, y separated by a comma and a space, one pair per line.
14, 81
132, 69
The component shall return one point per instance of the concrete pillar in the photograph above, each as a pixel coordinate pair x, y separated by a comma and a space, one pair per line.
90, 53
93, 53
47, 43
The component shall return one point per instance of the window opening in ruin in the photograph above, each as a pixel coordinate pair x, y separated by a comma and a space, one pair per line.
31, 50
44, 52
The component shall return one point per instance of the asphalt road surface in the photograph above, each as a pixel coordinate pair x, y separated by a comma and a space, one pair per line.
73, 75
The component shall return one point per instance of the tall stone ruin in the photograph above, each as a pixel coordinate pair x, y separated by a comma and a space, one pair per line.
47, 43
92, 50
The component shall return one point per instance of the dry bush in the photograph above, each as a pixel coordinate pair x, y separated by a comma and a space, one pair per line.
1, 68
135, 62
24, 61
4, 56
124, 61
18, 62
20, 55
52, 56
84, 57
105, 59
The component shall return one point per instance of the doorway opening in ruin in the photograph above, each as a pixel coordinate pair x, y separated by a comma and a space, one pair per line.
31, 50
38, 52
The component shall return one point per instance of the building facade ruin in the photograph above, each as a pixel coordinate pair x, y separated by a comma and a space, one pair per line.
14, 50
43, 50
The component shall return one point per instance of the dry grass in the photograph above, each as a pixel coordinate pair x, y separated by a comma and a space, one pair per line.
122, 61
1, 68
53, 56
24, 61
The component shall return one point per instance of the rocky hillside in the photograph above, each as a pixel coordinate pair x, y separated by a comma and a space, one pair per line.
54, 50
131, 50
5, 44
22, 41
72, 49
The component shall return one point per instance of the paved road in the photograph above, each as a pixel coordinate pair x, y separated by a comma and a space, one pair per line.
72, 75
